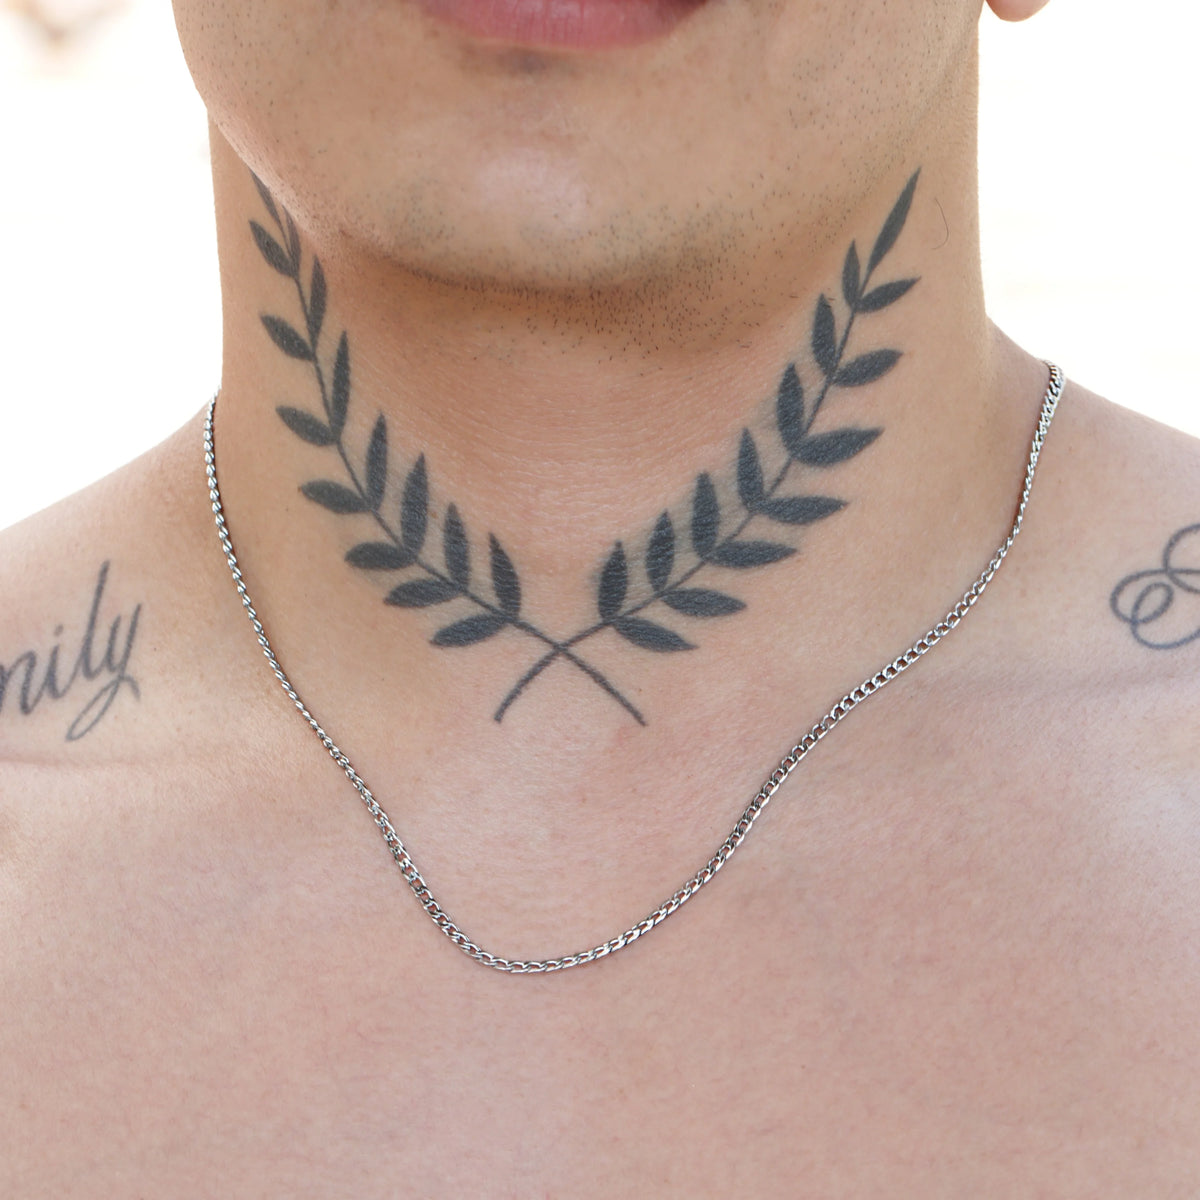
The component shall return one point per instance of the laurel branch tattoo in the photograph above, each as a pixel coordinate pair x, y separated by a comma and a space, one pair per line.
715, 540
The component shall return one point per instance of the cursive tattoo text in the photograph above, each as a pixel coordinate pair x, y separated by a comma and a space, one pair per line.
100, 656
1161, 605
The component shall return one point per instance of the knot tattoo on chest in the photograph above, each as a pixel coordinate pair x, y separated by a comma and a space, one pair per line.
686, 571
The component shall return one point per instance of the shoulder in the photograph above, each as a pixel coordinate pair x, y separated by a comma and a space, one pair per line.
1069, 712
1095, 649
1121, 529
108, 602
133, 704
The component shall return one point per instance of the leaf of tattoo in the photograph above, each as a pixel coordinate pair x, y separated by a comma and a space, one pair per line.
377, 464
505, 583
267, 199
271, 250
379, 556
741, 555
749, 473
614, 581
702, 602
334, 496
706, 516
456, 549
421, 593
836, 446
887, 293
800, 510
648, 635
824, 338
867, 368
660, 553
789, 412
414, 508
851, 277
316, 302
305, 425
894, 223
286, 338
470, 630
339, 393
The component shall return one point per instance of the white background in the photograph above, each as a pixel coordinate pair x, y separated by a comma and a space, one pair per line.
109, 321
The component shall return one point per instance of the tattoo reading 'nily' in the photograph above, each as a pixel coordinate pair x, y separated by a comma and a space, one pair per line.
678, 570
1161, 606
45, 679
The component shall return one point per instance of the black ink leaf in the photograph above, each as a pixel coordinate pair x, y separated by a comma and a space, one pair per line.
614, 582
801, 510
702, 602
272, 251
648, 635
749, 554
749, 473
867, 368
829, 449
660, 553
306, 426
885, 294
339, 397
293, 241
789, 411
286, 338
824, 338
379, 556
377, 463
894, 224
316, 302
414, 507
706, 516
267, 199
851, 281
505, 583
469, 631
421, 593
334, 496
456, 548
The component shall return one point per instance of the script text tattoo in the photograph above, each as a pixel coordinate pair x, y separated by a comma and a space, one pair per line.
33, 678
1161, 605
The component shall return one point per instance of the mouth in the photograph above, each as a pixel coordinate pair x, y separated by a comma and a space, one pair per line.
567, 24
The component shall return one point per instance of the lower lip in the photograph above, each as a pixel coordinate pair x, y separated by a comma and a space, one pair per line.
575, 24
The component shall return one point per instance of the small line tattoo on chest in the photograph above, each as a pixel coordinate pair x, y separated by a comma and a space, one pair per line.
1161, 605
652, 595
36, 677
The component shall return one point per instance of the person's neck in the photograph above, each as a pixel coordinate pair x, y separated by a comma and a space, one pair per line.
552, 461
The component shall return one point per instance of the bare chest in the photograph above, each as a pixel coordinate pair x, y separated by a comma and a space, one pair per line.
944, 1027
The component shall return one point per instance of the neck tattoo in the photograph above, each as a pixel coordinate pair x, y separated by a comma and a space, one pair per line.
403, 549
677, 573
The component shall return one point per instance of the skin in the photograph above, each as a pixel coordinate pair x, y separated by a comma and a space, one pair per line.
955, 958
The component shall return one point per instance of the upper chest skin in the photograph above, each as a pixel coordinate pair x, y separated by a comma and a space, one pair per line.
961, 971
958, 956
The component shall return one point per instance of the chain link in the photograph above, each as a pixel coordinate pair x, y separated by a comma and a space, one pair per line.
756, 807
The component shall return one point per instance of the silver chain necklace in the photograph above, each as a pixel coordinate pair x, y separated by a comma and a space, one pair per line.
754, 809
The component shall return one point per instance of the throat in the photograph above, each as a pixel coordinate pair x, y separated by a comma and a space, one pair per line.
590, 540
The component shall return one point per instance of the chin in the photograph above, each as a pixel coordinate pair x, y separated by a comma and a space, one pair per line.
521, 223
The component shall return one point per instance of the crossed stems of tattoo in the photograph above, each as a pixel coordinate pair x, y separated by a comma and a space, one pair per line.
403, 547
